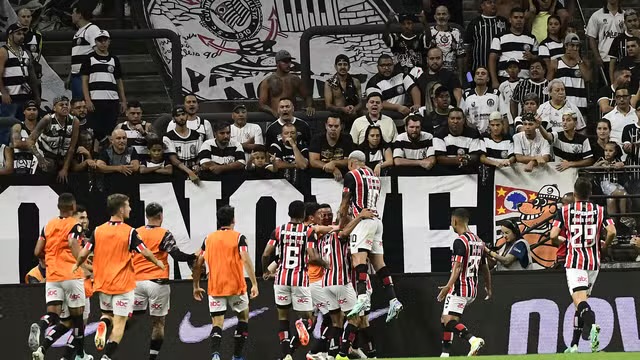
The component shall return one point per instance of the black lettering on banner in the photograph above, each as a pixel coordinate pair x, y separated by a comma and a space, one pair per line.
195, 79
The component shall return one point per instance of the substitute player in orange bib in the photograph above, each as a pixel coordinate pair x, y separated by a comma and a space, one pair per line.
152, 283
226, 253
60, 241
114, 276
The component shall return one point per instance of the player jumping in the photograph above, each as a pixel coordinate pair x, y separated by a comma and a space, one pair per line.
581, 223
361, 190
226, 253
467, 260
114, 276
60, 240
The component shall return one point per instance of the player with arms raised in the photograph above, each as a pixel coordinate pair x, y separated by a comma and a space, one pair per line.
361, 191
581, 223
467, 260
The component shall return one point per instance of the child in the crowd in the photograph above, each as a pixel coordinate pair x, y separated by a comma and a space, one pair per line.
258, 166
506, 90
611, 180
158, 162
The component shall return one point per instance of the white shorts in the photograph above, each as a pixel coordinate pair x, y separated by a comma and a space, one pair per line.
367, 235
65, 314
341, 297
581, 280
319, 297
454, 305
70, 292
298, 296
152, 295
238, 303
119, 304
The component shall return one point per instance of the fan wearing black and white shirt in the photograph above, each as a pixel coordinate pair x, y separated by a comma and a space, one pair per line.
393, 87
194, 122
536, 84
618, 49
552, 47
221, 154
573, 71
407, 47
291, 156
553, 110
435, 72
414, 147
273, 133
456, 145
449, 40
570, 149
498, 147
182, 145
478, 103
607, 94
480, 33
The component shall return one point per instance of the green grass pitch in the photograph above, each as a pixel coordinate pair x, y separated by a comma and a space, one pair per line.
587, 356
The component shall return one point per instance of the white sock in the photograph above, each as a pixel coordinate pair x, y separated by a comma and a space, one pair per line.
471, 339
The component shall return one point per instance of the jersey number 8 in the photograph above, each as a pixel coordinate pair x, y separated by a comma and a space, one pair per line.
583, 235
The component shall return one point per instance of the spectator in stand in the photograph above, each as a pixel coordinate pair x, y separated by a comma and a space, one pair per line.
18, 79
479, 102
408, 48
618, 50
6, 160
605, 25
247, 134
282, 85
374, 117
436, 72
440, 100
529, 146
102, 87
119, 157
458, 146
505, 91
38, 274
182, 145
449, 40
610, 181
552, 47
393, 87
430, 8
573, 71
158, 162
607, 94
329, 151
285, 113
632, 62
79, 110
480, 33
378, 153
552, 111
570, 149
194, 122
498, 147
24, 162
291, 156
622, 115
222, 155
83, 42
84, 158
414, 147
32, 42
258, 167
530, 105
57, 137
138, 131
513, 44
603, 137
516, 253
538, 15
631, 141
342, 92
537, 84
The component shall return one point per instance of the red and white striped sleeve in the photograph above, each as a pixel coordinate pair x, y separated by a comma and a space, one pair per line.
242, 244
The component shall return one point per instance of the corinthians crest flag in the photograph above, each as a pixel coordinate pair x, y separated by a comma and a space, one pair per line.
532, 200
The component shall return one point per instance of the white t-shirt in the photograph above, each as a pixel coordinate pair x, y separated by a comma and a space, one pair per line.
536, 147
506, 91
202, 126
619, 121
604, 27
478, 107
249, 130
386, 124
553, 115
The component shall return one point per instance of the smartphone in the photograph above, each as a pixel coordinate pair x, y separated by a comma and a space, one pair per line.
469, 77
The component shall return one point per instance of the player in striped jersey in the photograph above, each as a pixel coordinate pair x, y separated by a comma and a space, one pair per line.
361, 191
580, 223
295, 246
467, 260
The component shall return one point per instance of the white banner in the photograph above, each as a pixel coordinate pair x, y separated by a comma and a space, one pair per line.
228, 47
532, 199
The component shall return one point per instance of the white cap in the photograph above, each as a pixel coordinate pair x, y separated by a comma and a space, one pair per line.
357, 155
103, 33
496, 115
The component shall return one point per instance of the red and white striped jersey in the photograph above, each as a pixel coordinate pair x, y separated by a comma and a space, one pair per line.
582, 222
364, 187
468, 250
292, 241
336, 253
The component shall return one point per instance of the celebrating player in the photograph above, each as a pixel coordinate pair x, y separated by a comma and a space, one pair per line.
581, 223
83, 218
361, 190
295, 243
152, 284
114, 276
226, 252
461, 290
60, 241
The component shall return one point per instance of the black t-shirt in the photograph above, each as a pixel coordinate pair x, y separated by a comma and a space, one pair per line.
434, 121
274, 132
598, 151
628, 63
112, 158
339, 151
445, 77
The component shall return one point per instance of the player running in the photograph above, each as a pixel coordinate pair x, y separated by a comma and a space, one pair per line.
361, 190
152, 284
226, 253
467, 260
581, 223
60, 240
295, 243
114, 276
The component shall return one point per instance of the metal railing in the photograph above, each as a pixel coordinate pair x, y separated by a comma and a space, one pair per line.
587, 44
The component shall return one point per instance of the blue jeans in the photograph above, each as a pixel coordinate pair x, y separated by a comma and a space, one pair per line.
76, 87
13, 110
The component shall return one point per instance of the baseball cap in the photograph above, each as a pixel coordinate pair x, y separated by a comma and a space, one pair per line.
496, 115
15, 27
29, 104
239, 107
57, 99
283, 55
103, 33
572, 38
178, 110
513, 61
